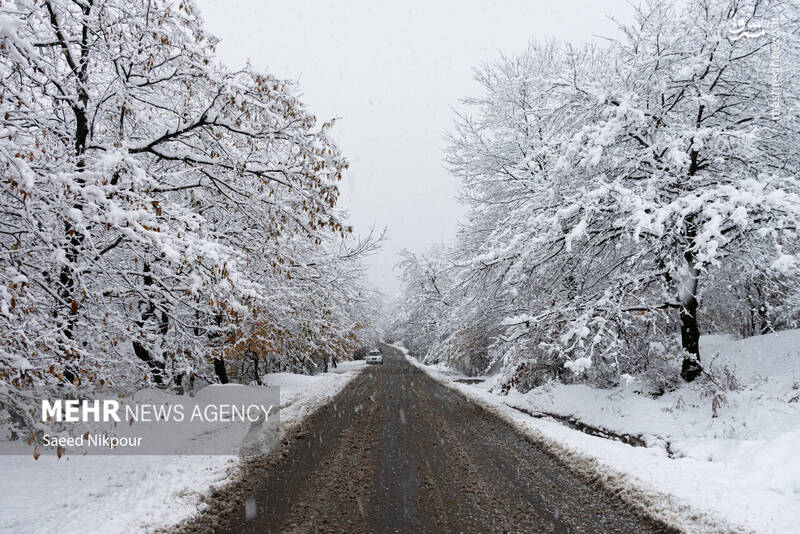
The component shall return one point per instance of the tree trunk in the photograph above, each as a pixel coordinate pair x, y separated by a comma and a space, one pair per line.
690, 341
690, 332
219, 369
156, 367
79, 68
219, 363
255, 370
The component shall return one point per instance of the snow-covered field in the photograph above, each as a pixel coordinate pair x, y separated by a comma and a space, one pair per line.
739, 470
123, 494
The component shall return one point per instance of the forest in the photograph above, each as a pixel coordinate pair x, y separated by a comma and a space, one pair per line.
593, 320
622, 199
164, 219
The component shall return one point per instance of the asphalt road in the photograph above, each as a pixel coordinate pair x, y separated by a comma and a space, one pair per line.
398, 452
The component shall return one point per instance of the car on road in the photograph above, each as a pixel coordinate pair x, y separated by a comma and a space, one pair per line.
375, 356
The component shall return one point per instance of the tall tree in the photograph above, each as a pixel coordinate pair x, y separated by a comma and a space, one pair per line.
604, 185
154, 199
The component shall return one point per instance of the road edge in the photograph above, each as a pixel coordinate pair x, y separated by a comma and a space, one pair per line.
648, 501
221, 499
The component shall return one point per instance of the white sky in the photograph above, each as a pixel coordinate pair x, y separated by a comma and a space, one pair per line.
393, 72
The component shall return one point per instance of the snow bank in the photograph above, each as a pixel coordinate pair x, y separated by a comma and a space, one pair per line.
300, 394
738, 470
128, 494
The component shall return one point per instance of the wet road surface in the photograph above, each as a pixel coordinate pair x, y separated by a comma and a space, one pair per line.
398, 452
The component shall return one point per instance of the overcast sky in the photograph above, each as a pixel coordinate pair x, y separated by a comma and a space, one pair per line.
393, 72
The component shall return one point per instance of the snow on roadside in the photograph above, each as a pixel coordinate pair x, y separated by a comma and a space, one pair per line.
128, 494
737, 471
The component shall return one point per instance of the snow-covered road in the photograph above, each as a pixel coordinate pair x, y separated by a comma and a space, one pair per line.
733, 469
398, 452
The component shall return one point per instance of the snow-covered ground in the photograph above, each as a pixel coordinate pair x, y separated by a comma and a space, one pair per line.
739, 470
125, 494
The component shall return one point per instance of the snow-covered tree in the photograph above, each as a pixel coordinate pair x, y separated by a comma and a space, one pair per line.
154, 200
688, 159
423, 303
607, 185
